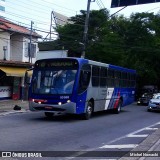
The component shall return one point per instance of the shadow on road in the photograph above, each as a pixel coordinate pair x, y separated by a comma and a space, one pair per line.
74, 118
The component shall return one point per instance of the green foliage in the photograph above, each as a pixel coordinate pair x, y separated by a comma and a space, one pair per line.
132, 42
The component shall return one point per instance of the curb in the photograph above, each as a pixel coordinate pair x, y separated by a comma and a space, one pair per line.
7, 112
151, 143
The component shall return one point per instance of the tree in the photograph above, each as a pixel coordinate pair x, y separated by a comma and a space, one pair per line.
132, 42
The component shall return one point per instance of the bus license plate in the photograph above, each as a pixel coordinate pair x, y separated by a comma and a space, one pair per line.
48, 107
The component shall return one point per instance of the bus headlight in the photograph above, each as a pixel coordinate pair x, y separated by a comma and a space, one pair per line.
68, 101
59, 103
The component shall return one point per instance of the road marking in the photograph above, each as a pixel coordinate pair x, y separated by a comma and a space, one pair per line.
12, 112
148, 128
121, 146
133, 133
137, 136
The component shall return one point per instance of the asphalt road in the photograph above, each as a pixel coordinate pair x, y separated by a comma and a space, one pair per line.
104, 131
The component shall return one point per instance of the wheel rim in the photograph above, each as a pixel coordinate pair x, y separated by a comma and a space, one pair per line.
89, 110
119, 107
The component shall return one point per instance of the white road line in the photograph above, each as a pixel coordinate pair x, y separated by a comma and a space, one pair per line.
117, 146
137, 136
121, 146
11, 112
132, 133
148, 128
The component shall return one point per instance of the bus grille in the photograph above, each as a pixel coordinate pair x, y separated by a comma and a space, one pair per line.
46, 109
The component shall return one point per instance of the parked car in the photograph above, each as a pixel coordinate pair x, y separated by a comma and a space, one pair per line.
144, 99
154, 103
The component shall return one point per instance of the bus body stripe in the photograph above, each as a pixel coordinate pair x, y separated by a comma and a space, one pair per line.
117, 101
110, 92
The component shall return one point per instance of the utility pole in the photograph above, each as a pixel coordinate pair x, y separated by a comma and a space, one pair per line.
86, 29
30, 43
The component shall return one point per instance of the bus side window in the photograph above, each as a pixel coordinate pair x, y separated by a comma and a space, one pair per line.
84, 79
95, 76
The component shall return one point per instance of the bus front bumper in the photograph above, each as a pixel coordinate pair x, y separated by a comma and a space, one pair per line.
60, 109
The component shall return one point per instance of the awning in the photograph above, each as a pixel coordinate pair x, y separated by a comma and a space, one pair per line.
13, 71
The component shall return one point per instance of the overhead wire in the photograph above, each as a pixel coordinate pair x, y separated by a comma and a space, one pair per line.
58, 5
40, 11
46, 7
33, 19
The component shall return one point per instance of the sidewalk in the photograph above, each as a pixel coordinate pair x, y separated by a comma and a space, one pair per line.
8, 105
150, 144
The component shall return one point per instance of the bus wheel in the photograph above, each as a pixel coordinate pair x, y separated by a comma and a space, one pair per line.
118, 109
49, 114
87, 115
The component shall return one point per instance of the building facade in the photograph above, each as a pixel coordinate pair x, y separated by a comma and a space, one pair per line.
17, 54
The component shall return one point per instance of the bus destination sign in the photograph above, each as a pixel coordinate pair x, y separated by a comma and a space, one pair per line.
56, 63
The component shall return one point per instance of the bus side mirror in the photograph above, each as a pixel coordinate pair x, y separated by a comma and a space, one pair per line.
27, 77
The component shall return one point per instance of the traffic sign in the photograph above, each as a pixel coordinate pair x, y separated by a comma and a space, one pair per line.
121, 3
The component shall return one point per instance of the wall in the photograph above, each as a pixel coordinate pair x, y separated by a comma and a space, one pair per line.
25, 57
4, 41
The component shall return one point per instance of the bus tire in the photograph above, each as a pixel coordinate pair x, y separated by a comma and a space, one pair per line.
49, 114
118, 109
89, 110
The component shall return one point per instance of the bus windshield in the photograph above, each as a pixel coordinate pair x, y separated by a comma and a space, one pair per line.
53, 81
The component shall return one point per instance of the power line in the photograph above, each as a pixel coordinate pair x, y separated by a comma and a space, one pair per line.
58, 5
26, 18
38, 22
28, 8
28, 13
45, 7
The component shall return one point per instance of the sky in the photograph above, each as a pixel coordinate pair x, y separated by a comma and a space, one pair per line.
39, 11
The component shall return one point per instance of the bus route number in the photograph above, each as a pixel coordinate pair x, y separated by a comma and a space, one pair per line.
64, 97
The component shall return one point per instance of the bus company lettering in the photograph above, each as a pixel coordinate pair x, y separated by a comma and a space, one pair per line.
58, 64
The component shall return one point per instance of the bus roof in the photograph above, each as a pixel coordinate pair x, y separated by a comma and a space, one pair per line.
123, 69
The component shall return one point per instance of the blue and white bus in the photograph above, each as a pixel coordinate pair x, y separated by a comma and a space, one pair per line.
79, 86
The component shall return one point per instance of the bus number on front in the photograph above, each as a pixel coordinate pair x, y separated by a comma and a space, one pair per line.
64, 97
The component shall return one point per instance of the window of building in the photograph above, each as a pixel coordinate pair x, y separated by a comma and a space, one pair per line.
27, 50
2, 8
